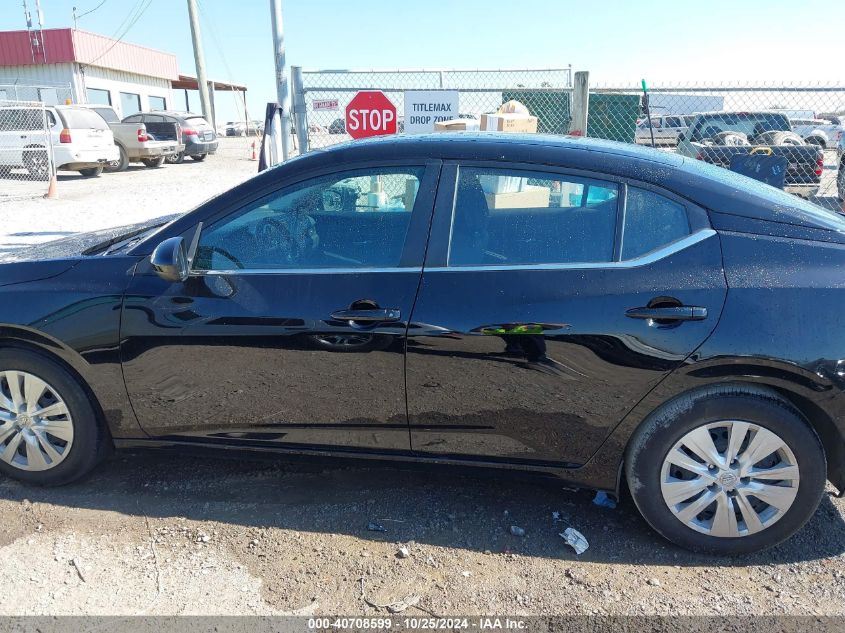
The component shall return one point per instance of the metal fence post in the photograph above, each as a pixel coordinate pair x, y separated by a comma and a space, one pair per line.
580, 103
299, 112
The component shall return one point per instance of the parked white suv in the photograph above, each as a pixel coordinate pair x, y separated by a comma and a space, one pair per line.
665, 127
81, 140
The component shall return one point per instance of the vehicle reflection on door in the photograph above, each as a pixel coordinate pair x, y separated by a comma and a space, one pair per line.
259, 358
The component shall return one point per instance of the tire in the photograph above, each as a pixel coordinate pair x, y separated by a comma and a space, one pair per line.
778, 138
84, 443
199, 157
37, 164
175, 159
120, 164
152, 163
840, 181
815, 140
731, 138
648, 470
91, 172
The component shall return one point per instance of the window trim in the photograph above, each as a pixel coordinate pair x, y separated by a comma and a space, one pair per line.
643, 260
444, 209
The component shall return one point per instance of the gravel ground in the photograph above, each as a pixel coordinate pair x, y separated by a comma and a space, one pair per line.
137, 194
157, 533
161, 533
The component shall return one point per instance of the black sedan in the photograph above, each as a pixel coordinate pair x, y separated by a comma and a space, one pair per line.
624, 319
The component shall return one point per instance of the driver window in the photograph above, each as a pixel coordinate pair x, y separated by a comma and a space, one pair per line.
348, 220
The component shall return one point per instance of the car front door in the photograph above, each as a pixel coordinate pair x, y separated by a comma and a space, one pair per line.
290, 330
551, 302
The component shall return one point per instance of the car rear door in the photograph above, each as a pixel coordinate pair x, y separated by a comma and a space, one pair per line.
291, 330
551, 302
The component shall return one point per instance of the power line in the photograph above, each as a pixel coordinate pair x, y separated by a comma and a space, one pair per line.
130, 21
82, 15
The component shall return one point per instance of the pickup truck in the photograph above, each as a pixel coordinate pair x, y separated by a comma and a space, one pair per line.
715, 137
134, 143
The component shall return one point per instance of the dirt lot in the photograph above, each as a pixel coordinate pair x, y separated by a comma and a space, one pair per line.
154, 533
139, 193
162, 533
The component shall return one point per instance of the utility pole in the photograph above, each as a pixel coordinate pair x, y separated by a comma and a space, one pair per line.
281, 76
199, 58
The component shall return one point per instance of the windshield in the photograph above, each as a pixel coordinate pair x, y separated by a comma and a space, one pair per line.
749, 123
82, 118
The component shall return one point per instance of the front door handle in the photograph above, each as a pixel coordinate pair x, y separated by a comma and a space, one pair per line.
669, 313
371, 315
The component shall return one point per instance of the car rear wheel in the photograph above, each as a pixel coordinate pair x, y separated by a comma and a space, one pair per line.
175, 159
840, 181
726, 471
199, 157
120, 164
153, 162
49, 434
91, 172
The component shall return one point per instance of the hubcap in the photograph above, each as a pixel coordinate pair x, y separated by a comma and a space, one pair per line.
729, 479
36, 430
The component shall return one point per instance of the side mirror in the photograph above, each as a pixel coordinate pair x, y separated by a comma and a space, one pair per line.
170, 259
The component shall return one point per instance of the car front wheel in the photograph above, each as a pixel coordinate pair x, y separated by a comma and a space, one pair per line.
91, 172
199, 157
726, 471
49, 433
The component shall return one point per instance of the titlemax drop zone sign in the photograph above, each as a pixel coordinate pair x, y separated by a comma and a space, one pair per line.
423, 108
370, 113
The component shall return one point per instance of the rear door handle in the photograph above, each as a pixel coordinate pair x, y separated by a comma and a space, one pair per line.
669, 313
374, 315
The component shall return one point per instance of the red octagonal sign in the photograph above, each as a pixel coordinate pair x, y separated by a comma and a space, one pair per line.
370, 113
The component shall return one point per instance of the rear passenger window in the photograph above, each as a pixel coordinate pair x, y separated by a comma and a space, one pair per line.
510, 217
651, 221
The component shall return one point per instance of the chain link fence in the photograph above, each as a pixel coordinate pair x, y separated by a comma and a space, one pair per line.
802, 122
49, 94
326, 93
26, 162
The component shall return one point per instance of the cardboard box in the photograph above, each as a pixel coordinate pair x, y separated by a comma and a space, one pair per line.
456, 125
502, 184
509, 123
529, 198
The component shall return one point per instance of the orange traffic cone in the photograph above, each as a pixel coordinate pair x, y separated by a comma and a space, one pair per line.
254, 156
51, 189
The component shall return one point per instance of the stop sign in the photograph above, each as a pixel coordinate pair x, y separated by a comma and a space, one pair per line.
370, 113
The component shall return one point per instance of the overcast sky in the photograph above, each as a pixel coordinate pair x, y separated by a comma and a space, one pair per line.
617, 41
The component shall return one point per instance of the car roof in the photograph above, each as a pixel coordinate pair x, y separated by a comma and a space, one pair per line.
713, 112
713, 188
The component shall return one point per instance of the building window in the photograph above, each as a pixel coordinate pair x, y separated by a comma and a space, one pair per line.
50, 96
157, 103
130, 103
98, 96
